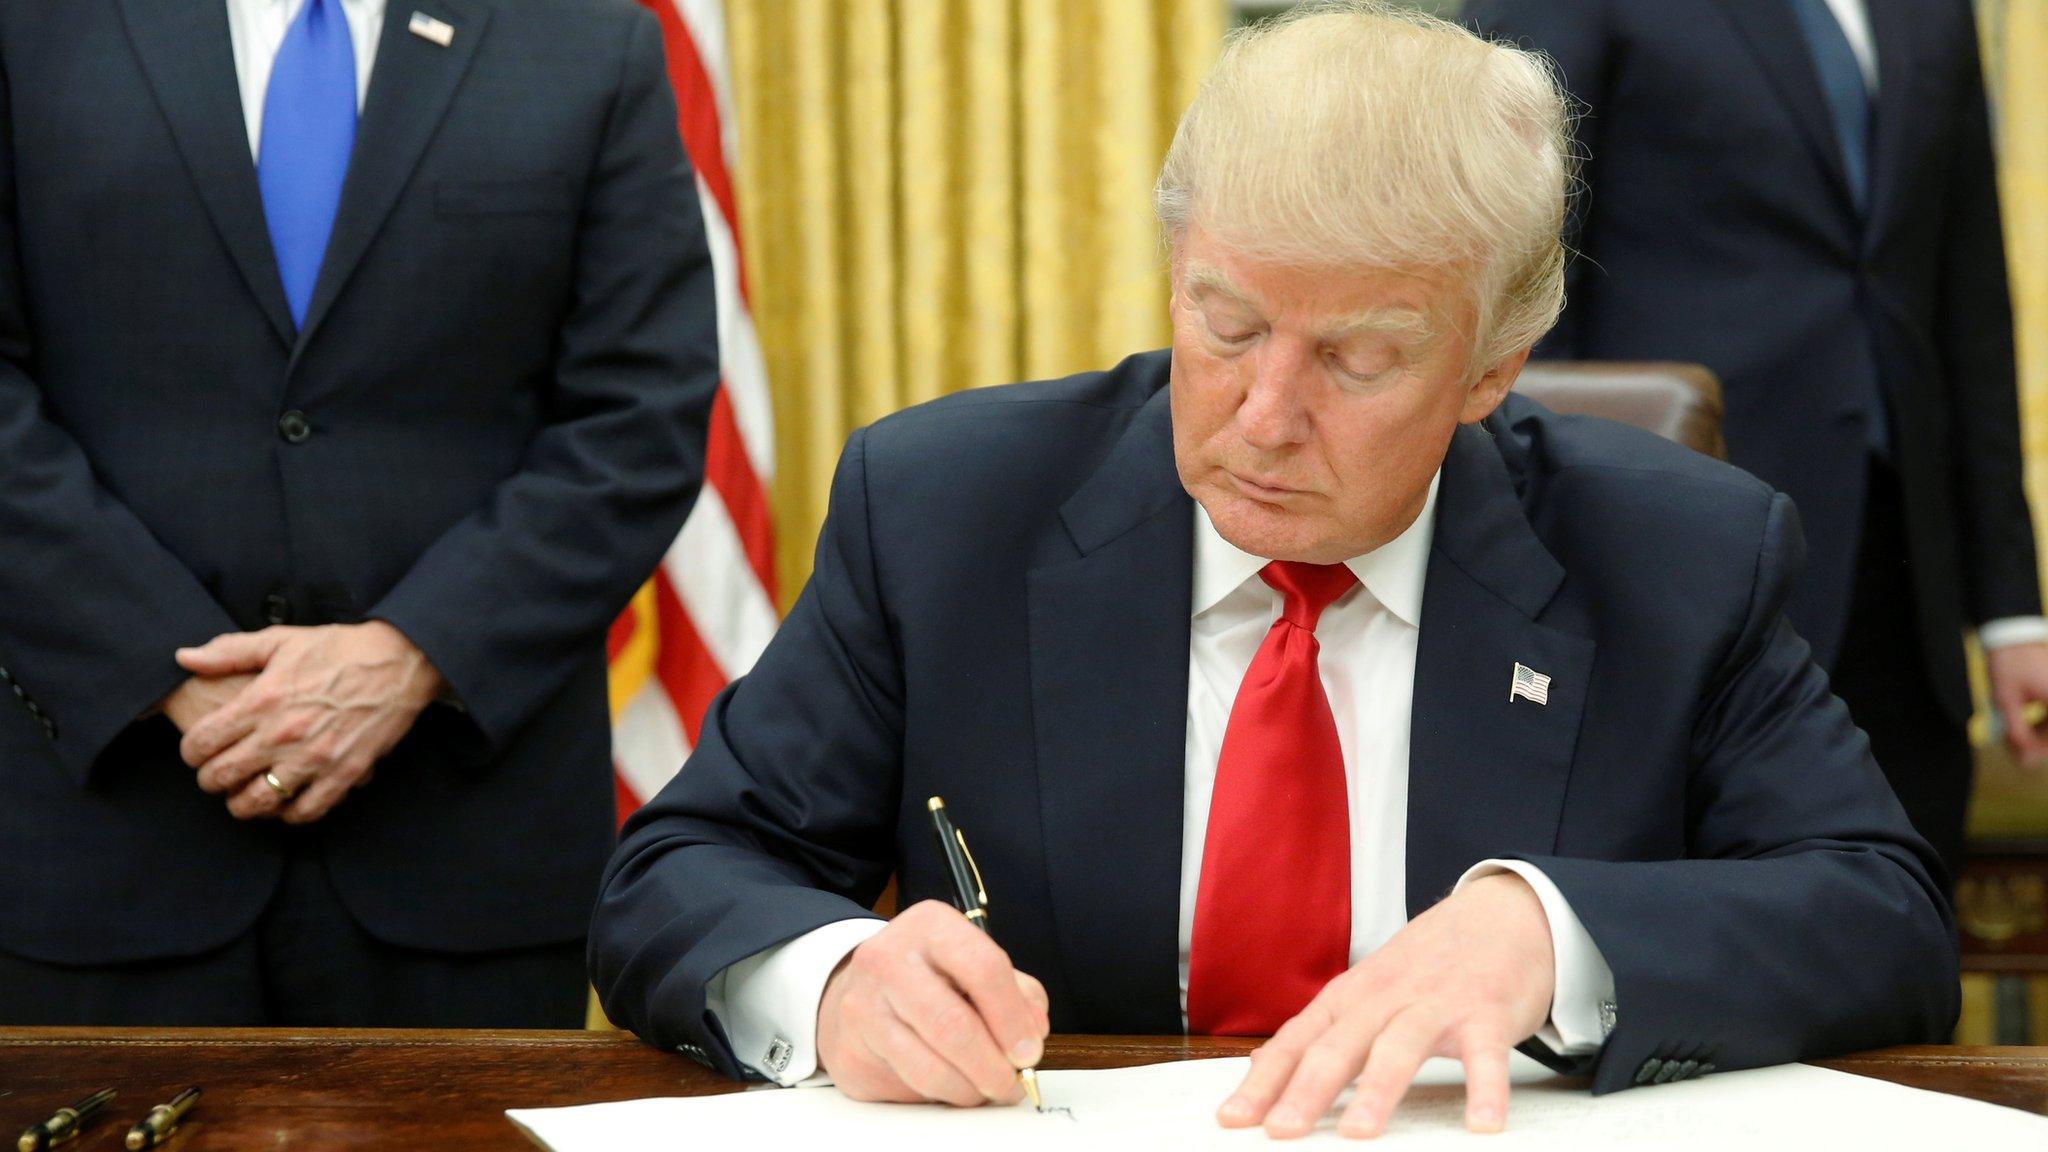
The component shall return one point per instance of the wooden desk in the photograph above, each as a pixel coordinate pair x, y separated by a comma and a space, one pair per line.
313, 1091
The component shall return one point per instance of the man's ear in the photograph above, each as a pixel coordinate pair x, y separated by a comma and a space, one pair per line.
1491, 388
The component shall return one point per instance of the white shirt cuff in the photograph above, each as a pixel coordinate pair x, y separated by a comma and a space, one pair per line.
1582, 1004
768, 1003
2007, 631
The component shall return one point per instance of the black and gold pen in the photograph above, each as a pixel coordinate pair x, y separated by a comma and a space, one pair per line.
162, 1120
64, 1124
970, 895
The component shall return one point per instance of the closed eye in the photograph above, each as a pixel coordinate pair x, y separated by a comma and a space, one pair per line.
1356, 376
1234, 331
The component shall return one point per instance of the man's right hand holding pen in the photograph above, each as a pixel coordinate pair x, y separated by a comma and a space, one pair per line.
930, 1008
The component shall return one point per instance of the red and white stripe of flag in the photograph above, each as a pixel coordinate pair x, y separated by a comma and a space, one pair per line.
710, 608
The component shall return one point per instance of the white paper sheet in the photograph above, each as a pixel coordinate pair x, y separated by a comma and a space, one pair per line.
1172, 1106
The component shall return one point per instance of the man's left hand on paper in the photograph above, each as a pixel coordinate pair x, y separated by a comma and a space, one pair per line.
325, 705
1470, 978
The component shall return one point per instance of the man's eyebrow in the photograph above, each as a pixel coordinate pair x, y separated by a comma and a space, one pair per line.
1401, 324
1202, 278
1404, 324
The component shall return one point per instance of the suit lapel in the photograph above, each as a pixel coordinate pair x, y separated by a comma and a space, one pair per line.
188, 58
1774, 37
1109, 659
1891, 30
1486, 774
410, 88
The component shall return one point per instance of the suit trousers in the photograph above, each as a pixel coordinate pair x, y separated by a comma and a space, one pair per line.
1881, 674
306, 963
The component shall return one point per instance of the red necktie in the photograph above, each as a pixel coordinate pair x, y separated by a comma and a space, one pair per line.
1273, 912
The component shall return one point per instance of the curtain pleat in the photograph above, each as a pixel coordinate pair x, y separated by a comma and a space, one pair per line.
2015, 37
947, 194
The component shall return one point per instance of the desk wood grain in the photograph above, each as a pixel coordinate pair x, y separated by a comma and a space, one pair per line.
330, 1091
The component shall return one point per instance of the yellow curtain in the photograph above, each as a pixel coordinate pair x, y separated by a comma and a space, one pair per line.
2014, 35
2008, 802
943, 194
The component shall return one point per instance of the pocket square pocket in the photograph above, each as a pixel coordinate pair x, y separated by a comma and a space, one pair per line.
503, 197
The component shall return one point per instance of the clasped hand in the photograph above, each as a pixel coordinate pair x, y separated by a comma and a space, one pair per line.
931, 1009
315, 708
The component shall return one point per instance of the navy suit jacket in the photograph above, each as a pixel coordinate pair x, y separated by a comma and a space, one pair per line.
504, 380
1717, 226
999, 615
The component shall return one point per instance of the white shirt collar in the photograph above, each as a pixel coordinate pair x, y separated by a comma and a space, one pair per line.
1394, 572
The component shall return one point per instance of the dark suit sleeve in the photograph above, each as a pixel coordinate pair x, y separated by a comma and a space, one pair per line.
1574, 34
1806, 919
92, 605
781, 822
1975, 341
508, 600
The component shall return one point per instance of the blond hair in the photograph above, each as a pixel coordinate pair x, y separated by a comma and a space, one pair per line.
1351, 133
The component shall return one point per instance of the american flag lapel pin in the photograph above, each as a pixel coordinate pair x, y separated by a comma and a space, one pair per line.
427, 28
1530, 685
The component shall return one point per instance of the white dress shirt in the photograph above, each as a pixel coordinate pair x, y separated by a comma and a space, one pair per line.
257, 28
768, 1003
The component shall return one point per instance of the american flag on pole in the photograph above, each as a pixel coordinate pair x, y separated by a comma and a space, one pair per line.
710, 607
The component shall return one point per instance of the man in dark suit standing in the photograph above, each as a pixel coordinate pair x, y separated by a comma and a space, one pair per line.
355, 362
1297, 682
1800, 195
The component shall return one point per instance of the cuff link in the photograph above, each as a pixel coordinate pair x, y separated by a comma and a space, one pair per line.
779, 1054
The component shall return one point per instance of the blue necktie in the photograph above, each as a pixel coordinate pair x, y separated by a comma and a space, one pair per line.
1841, 81
309, 128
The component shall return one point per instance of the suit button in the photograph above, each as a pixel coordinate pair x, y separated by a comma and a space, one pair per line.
1687, 1069
294, 427
277, 609
1649, 1069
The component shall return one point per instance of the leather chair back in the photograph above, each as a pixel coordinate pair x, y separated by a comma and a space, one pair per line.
1680, 402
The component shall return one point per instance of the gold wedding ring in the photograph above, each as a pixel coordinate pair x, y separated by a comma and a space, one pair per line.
277, 786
